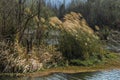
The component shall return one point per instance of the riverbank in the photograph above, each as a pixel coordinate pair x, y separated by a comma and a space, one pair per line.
78, 69
108, 65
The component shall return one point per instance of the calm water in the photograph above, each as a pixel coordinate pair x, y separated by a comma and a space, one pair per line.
105, 75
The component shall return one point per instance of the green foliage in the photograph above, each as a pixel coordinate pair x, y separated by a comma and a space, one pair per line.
80, 63
111, 56
89, 62
81, 46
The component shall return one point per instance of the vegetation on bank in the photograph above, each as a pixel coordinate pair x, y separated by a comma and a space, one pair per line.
32, 40
109, 64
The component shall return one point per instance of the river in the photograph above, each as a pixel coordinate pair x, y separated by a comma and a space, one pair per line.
103, 75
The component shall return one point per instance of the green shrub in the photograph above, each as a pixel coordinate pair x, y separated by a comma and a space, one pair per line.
89, 62
81, 46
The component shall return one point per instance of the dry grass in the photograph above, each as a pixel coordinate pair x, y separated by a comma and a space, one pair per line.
108, 65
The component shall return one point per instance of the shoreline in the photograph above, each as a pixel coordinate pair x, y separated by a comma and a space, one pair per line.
108, 65
74, 71
65, 70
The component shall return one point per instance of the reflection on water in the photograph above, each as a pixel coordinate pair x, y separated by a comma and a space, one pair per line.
105, 75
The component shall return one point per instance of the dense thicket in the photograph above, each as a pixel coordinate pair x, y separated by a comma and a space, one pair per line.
21, 33
101, 12
20, 20
17, 16
96, 12
28, 38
